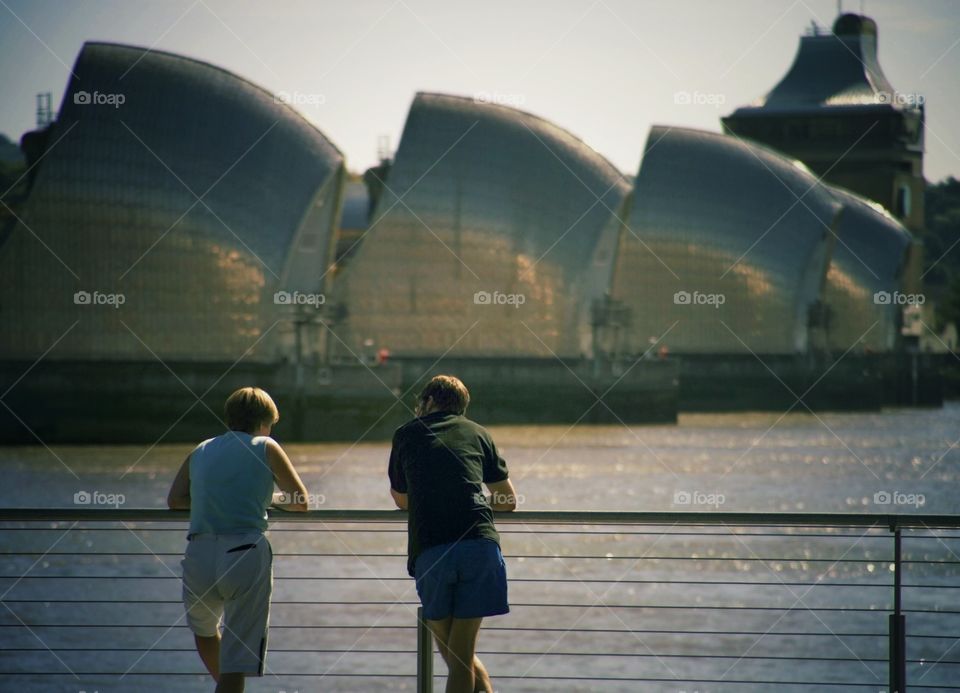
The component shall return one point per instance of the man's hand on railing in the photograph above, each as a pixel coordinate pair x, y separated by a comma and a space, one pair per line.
400, 499
503, 497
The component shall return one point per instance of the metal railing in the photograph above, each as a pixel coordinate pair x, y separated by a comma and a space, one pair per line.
714, 601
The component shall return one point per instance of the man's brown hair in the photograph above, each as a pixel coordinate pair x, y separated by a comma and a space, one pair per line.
248, 408
448, 394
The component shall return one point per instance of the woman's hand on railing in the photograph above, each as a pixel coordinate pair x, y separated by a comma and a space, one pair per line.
291, 502
294, 496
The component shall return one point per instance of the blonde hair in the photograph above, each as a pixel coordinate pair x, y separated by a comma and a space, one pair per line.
249, 408
448, 394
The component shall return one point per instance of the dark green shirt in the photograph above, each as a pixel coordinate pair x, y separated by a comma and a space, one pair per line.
441, 461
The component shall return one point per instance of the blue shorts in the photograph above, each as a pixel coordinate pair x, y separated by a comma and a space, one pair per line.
466, 579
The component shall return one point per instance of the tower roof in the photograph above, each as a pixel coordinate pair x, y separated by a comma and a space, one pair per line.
833, 70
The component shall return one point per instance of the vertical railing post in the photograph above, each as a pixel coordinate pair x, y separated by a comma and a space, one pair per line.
424, 655
898, 624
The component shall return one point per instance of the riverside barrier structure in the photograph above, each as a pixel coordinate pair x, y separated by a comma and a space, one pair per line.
601, 601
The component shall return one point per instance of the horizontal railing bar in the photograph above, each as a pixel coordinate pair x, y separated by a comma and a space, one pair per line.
518, 653
617, 532
654, 631
718, 533
273, 530
316, 602
501, 628
767, 559
579, 581
167, 626
753, 682
517, 677
281, 554
191, 650
204, 674
587, 517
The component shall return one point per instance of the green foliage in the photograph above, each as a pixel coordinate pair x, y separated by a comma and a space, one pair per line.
9, 173
941, 242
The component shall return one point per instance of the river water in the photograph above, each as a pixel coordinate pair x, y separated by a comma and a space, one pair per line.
612, 603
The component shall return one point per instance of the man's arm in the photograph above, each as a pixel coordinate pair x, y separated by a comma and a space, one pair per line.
398, 479
286, 478
179, 496
503, 497
399, 498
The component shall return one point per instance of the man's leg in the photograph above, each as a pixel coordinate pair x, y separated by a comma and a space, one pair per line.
483, 684
209, 651
457, 641
230, 683
441, 632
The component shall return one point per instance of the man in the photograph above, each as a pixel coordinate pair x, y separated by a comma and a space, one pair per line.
438, 464
227, 484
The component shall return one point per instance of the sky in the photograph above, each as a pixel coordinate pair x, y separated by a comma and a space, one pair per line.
606, 70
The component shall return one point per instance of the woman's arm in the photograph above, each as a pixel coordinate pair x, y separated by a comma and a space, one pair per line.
179, 496
286, 478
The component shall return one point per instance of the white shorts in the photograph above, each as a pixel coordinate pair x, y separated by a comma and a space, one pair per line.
230, 576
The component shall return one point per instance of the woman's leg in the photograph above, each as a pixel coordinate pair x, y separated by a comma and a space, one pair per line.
209, 651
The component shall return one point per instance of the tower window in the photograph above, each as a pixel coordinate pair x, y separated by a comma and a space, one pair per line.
903, 200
